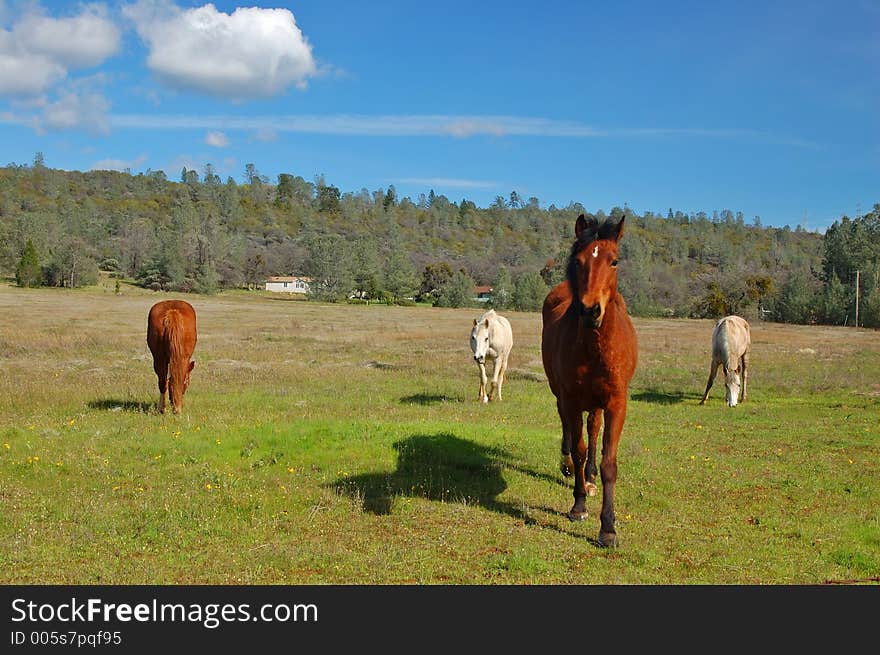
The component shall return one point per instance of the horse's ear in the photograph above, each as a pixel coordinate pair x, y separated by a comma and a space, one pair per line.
619, 229
487, 322
579, 226
475, 322
582, 224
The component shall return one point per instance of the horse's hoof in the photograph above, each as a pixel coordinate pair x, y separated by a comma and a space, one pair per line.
608, 540
566, 466
591, 489
577, 516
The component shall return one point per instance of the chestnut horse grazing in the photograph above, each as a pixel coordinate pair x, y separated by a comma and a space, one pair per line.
589, 349
171, 336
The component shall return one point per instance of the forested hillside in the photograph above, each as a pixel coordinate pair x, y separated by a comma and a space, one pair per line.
202, 234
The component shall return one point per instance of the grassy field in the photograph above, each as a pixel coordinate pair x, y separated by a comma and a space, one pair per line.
345, 444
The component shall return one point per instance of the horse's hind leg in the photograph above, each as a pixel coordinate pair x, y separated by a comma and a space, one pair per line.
161, 369
500, 370
594, 420
712, 373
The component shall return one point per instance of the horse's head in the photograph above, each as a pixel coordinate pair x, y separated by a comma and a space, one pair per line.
732, 382
480, 340
592, 267
178, 382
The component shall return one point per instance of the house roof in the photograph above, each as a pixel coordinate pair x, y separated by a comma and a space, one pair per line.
288, 278
483, 289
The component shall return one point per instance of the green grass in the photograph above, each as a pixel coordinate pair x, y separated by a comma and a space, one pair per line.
344, 444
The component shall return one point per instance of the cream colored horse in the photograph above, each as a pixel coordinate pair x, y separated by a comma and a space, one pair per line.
492, 339
731, 342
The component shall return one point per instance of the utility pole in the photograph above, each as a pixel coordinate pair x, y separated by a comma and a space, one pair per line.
857, 298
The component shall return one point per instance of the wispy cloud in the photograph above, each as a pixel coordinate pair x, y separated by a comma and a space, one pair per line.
119, 164
436, 125
217, 139
448, 182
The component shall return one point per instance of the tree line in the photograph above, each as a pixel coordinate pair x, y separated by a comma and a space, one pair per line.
203, 234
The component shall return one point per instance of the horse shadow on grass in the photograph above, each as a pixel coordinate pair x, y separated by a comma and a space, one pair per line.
445, 468
661, 397
119, 405
429, 399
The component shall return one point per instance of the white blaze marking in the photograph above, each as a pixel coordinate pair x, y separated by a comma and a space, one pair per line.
596, 251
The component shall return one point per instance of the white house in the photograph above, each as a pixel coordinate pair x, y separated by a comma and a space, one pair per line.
288, 284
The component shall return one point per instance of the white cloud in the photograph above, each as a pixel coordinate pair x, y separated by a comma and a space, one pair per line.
40, 50
449, 182
79, 41
78, 106
440, 125
119, 164
24, 74
250, 52
265, 135
217, 139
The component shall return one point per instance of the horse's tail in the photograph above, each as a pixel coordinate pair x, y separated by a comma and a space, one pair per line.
173, 323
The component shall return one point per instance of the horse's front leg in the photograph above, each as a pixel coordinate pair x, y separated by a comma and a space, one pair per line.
713, 371
615, 415
745, 375
594, 420
575, 421
483, 398
566, 464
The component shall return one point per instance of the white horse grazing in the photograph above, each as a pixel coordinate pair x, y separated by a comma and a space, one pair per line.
731, 341
491, 338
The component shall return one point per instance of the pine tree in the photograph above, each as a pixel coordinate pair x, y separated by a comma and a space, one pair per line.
400, 276
529, 292
502, 289
459, 292
28, 273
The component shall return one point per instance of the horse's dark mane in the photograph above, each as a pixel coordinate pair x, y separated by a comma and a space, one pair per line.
594, 232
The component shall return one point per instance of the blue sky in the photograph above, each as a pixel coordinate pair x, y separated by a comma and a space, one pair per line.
769, 108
